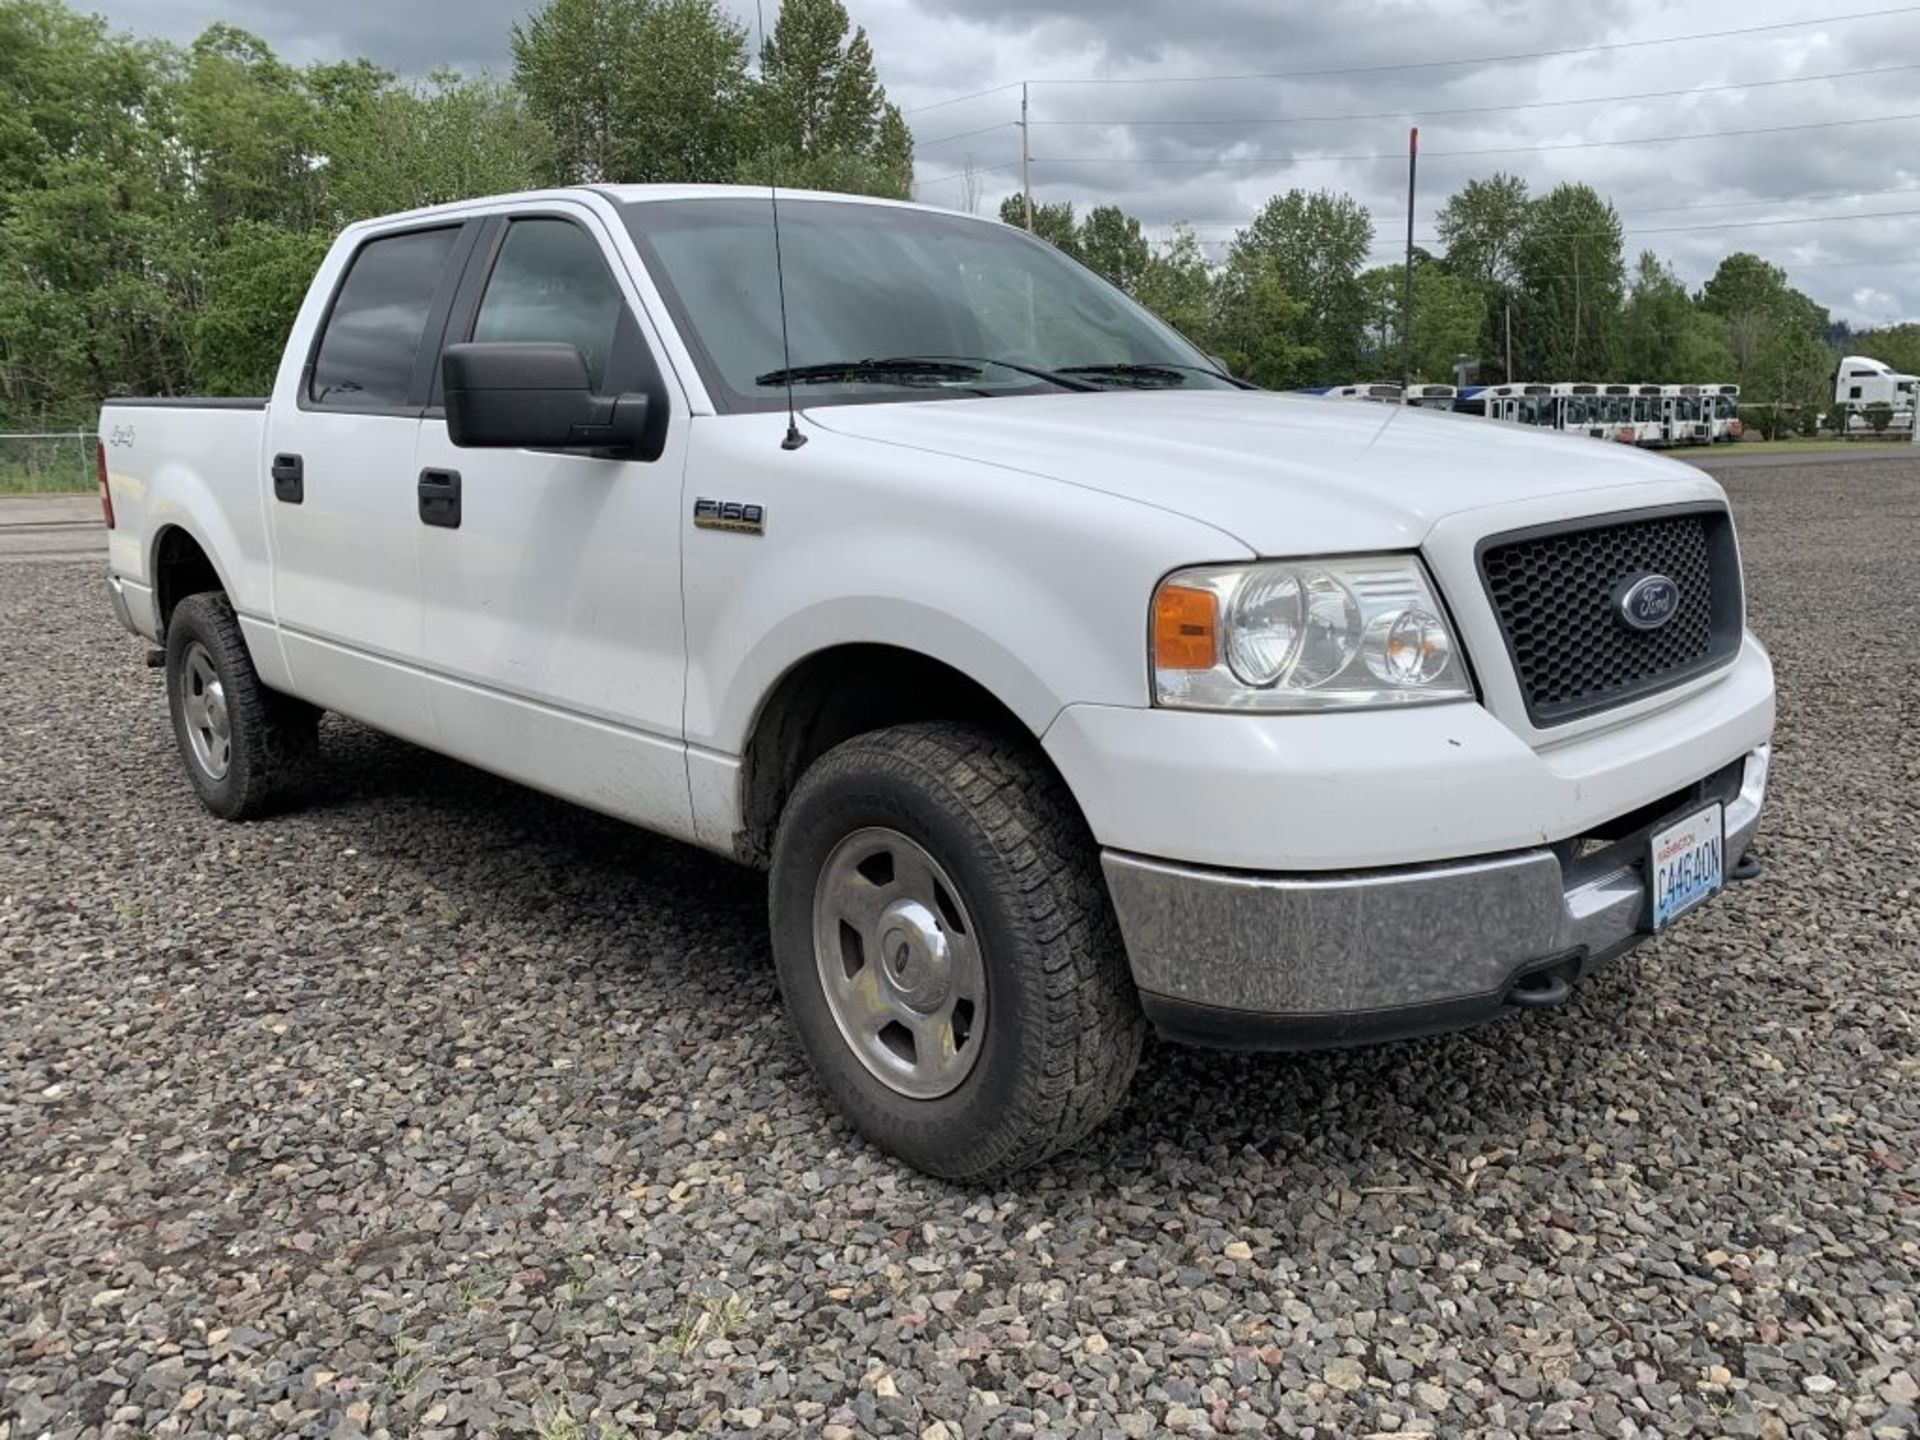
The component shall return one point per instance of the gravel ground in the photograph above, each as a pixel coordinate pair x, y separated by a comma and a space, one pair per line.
443, 1109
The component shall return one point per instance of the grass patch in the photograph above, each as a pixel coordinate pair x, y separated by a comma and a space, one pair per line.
1808, 447
68, 474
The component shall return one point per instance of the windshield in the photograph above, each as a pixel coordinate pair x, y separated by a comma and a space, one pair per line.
868, 283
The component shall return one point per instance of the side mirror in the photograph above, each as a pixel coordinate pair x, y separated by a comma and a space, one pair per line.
512, 396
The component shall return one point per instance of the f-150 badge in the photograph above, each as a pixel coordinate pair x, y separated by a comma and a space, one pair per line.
739, 516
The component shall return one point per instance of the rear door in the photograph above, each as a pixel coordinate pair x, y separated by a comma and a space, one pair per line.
341, 497
550, 580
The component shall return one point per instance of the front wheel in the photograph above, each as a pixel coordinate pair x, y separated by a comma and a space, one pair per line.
947, 951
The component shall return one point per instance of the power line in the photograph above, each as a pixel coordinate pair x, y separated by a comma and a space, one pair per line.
1729, 224
970, 170
1501, 59
962, 99
1390, 260
1197, 225
1220, 160
1430, 241
1427, 114
1777, 200
920, 144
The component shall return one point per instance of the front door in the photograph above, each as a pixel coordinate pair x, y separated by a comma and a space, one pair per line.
341, 437
550, 581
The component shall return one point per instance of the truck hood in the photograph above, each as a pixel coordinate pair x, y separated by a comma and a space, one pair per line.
1282, 474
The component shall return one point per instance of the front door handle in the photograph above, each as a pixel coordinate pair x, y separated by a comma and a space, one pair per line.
289, 479
440, 498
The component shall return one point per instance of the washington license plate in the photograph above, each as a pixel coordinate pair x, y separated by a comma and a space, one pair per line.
1688, 864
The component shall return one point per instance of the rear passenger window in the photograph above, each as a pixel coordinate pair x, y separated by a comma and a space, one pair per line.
552, 284
372, 341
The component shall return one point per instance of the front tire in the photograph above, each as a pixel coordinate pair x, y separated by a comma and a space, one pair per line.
246, 748
947, 950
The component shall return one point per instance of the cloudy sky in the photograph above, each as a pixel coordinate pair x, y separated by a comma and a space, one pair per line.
1198, 110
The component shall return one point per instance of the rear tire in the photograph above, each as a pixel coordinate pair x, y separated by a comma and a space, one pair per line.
246, 748
947, 950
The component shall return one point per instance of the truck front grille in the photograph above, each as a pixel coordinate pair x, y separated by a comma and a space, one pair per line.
1555, 591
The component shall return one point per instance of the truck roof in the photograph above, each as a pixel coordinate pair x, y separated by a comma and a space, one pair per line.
641, 194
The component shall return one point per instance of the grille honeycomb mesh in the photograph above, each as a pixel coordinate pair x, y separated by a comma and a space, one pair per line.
1553, 595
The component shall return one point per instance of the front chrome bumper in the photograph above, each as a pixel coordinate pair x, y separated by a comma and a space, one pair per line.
1299, 961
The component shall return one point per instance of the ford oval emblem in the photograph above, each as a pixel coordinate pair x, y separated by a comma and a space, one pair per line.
1646, 602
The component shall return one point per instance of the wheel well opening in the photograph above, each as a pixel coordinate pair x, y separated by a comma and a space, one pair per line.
180, 568
831, 697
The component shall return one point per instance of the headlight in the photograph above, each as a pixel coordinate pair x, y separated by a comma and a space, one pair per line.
1304, 635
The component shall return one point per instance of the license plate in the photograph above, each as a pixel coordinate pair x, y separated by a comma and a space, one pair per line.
1687, 864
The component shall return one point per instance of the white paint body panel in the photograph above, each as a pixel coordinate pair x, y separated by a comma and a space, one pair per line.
1384, 787
551, 619
578, 634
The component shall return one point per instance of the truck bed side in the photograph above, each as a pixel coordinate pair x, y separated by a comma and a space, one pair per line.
193, 466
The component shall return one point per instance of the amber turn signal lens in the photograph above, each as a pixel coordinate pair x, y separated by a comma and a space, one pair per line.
1186, 628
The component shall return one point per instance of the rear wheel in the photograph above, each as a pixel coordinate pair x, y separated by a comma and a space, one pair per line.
246, 748
947, 950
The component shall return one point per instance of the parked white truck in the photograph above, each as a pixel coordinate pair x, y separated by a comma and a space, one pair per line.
1062, 685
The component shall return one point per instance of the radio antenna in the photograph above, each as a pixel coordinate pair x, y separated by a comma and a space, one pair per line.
794, 439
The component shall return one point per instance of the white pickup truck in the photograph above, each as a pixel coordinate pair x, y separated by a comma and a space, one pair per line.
1063, 685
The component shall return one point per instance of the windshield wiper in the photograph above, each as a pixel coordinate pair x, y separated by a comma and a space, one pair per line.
1155, 370
869, 370
1063, 378
925, 369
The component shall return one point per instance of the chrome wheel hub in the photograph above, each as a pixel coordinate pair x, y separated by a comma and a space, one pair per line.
203, 702
900, 963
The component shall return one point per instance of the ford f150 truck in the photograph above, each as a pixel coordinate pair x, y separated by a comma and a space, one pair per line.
1063, 685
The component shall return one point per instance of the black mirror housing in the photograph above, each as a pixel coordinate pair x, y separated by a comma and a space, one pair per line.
524, 396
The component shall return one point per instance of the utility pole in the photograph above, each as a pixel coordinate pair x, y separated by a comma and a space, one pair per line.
1509, 339
1406, 298
1026, 159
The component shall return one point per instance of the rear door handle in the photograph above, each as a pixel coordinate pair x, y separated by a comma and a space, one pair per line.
440, 498
289, 479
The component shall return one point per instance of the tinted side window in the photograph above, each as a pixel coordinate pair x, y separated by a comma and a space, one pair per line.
550, 283
372, 340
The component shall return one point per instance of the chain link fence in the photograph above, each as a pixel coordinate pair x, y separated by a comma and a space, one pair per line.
46, 462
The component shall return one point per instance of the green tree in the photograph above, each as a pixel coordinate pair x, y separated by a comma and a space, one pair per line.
1772, 330
66, 88
1055, 223
1449, 314
1795, 367
1481, 227
252, 286
1664, 337
1258, 326
93, 241
1744, 283
631, 91
448, 139
249, 133
823, 116
1111, 242
1178, 285
1898, 345
1571, 274
1312, 245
